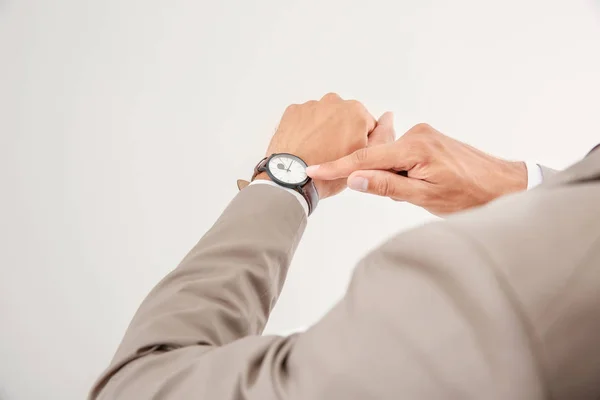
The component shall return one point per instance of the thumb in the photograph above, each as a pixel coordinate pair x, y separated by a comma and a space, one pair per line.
384, 131
388, 184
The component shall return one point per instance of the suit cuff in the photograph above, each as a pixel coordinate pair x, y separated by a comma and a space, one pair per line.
534, 175
297, 195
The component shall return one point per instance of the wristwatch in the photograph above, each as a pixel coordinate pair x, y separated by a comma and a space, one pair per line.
289, 171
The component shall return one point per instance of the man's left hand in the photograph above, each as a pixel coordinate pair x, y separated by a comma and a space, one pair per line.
325, 130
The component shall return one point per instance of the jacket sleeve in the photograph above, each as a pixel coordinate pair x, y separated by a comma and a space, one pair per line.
222, 291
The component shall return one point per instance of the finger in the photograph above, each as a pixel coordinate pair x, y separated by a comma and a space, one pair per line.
384, 131
389, 184
377, 157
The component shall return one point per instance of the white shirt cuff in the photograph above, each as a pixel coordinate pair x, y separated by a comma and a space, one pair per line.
534, 175
297, 195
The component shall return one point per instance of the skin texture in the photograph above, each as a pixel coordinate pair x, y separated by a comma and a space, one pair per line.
325, 130
443, 174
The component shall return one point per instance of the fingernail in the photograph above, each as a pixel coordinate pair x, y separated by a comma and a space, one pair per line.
358, 183
312, 169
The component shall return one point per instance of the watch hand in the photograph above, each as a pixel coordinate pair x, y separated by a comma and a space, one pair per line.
289, 166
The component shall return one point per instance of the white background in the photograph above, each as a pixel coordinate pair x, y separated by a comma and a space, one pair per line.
124, 125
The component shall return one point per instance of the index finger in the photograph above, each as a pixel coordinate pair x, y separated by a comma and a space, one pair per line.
377, 157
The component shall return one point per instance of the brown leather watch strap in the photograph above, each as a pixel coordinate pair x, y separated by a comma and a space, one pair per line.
260, 167
308, 190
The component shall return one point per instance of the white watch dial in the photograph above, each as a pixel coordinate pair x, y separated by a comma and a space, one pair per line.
287, 169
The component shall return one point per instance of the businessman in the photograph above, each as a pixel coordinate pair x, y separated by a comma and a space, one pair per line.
498, 301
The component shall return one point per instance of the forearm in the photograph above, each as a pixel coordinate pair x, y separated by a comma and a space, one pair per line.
226, 286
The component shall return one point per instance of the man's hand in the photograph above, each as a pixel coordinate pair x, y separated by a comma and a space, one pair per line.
443, 174
321, 131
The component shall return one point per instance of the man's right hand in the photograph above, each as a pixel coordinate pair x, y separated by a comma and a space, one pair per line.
443, 174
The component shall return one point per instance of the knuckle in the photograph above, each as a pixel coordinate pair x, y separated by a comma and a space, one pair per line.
331, 96
421, 128
360, 156
291, 108
384, 187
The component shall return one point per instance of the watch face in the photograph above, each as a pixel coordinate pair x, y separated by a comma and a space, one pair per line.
288, 169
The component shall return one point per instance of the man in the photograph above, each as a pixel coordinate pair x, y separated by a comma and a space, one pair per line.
499, 302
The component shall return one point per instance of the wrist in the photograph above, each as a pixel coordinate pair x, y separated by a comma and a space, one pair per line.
263, 176
514, 177
286, 170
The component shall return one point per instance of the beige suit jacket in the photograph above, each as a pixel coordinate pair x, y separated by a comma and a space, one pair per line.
500, 302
